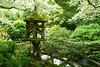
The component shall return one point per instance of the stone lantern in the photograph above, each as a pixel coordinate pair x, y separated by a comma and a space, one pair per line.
35, 30
34, 27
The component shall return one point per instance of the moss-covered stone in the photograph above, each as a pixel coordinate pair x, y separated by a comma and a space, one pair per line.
34, 15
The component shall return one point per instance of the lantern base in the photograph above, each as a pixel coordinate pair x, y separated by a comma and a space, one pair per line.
31, 39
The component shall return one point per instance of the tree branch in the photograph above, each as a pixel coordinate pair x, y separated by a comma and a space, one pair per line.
64, 40
92, 4
12, 7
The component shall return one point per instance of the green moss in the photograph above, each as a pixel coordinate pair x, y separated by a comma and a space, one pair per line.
31, 39
34, 15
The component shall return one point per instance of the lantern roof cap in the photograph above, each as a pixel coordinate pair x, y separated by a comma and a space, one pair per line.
35, 17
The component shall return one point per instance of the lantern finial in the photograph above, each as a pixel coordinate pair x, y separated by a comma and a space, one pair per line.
35, 8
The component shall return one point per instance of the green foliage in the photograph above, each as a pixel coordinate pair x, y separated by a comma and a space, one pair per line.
86, 22
53, 50
24, 61
0, 27
18, 31
75, 52
63, 3
65, 15
86, 10
88, 33
56, 48
13, 14
58, 16
11, 62
38, 65
25, 50
59, 32
9, 58
93, 52
6, 50
19, 24
9, 47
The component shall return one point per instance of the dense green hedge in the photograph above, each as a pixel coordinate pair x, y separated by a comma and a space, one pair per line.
87, 33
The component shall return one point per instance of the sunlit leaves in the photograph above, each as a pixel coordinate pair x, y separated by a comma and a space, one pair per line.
86, 11
7, 3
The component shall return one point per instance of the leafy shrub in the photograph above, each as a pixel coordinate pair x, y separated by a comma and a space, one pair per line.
9, 47
8, 57
59, 32
88, 33
6, 50
18, 31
